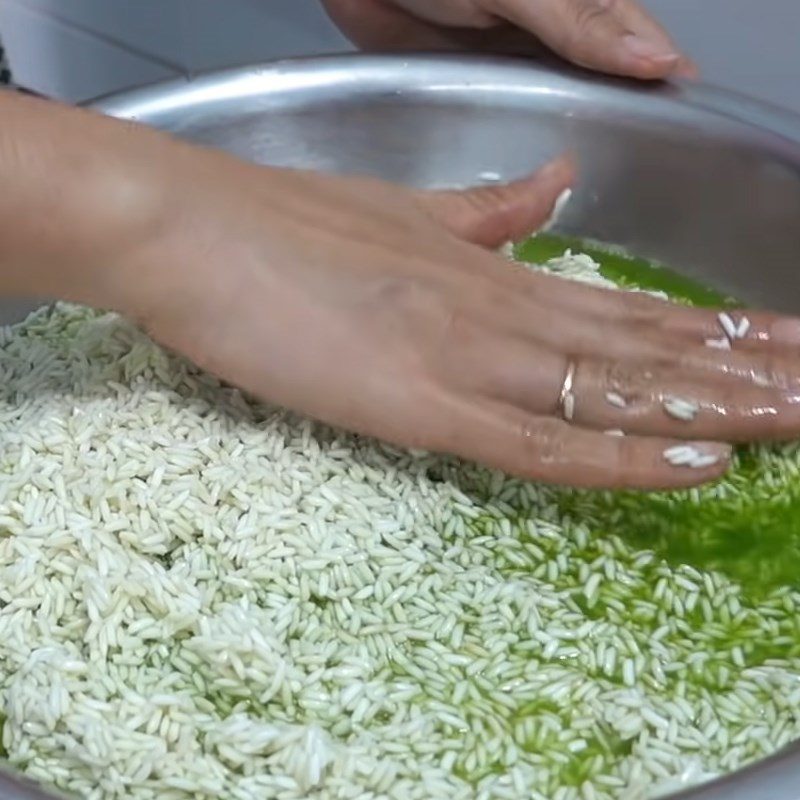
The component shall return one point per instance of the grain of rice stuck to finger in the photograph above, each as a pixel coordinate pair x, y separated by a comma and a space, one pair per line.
681, 455
704, 461
687, 455
732, 329
569, 406
558, 209
617, 400
728, 326
681, 409
203, 596
723, 343
743, 328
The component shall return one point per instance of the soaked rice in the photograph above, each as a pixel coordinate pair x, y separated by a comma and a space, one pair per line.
205, 597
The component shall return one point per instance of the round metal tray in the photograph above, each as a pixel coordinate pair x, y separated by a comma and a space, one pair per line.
700, 179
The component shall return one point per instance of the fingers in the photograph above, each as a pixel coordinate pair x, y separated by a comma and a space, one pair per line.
680, 404
698, 326
387, 26
726, 330
636, 18
373, 24
746, 388
658, 334
493, 215
746, 332
608, 35
550, 450
615, 36
632, 395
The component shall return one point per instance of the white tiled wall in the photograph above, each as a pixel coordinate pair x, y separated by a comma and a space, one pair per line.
76, 49
64, 61
752, 46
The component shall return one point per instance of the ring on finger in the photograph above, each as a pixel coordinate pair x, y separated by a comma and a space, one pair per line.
566, 398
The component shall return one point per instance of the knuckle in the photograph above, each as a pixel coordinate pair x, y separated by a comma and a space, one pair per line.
483, 13
452, 351
630, 380
458, 327
439, 332
490, 200
403, 297
543, 441
481, 19
395, 291
405, 312
460, 13
585, 16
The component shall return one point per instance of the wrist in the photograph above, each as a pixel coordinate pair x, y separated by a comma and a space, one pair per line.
81, 193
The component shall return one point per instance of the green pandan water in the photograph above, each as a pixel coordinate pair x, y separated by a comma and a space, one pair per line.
625, 270
532, 642
748, 525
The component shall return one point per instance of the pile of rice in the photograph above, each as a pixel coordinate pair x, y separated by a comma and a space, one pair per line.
202, 597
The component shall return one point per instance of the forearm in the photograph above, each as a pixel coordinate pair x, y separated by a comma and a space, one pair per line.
77, 191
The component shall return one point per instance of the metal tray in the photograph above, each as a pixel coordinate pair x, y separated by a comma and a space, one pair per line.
698, 178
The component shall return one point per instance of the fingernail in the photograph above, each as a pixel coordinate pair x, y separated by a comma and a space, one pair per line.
640, 47
686, 68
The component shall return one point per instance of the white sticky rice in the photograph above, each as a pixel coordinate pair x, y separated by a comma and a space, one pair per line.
202, 597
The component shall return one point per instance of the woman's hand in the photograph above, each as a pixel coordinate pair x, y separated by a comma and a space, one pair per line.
377, 309
614, 36
381, 309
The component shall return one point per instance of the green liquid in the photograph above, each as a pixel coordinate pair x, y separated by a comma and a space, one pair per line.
625, 270
747, 526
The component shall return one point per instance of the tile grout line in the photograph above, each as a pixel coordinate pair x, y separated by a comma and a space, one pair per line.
111, 41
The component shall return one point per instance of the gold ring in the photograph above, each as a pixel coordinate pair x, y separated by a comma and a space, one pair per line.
566, 399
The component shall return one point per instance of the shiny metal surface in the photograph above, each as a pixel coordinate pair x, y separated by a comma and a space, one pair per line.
703, 180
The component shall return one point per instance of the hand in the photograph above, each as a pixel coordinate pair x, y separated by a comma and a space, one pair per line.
614, 36
375, 308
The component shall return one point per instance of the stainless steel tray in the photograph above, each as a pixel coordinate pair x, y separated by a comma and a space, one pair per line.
701, 179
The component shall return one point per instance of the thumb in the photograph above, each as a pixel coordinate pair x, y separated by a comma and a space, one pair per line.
490, 216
